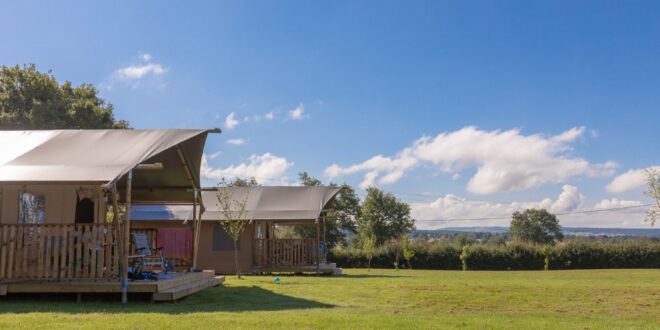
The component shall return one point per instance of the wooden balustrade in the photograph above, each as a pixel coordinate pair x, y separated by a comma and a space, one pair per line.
285, 252
58, 252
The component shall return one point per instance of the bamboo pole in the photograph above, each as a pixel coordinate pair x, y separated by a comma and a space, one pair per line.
126, 242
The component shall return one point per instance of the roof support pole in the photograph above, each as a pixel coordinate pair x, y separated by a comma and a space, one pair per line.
318, 247
197, 224
127, 239
2, 189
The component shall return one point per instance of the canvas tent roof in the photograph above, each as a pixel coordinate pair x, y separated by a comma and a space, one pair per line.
262, 203
104, 156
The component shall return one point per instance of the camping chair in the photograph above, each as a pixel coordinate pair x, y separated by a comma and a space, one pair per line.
146, 257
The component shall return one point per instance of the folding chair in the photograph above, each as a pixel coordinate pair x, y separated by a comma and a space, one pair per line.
146, 254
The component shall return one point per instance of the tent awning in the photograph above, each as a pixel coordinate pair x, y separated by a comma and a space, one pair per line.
262, 203
105, 156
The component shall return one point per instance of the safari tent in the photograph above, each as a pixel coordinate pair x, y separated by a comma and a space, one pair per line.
260, 249
65, 205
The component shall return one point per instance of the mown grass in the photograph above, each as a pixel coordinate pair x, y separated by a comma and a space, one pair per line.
576, 299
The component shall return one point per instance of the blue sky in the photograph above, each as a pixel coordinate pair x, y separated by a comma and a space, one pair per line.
525, 104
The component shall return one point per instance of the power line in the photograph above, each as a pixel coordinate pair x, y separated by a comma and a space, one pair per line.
562, 213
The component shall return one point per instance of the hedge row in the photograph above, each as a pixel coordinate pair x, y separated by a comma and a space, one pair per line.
569, 255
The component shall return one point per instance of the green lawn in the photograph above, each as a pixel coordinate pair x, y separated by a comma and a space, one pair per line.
594, 299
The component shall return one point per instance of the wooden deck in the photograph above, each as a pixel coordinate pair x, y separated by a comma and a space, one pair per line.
324, 268
182, 285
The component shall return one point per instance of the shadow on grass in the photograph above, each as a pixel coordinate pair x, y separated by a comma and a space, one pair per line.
372, 276
219, 299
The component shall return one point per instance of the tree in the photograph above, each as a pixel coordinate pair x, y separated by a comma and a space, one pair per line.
369, 243
535, 226
344, 210
233, 217
653, 191
239, 182
389, 217
407, 252
30, 99
306, 180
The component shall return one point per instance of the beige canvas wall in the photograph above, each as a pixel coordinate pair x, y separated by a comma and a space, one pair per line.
60, 202
223, 261
220, 261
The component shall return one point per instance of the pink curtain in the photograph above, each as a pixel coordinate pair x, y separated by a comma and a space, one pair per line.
176, 242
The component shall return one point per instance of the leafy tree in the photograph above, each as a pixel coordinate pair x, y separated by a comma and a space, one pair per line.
344, 210
239, 182
30, 99
546, 251
389, 217
535, 226
466, 253
653, 191
369, 243
308, 181
407, 252
233, 218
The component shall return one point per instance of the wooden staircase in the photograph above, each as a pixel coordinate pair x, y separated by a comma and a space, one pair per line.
195, 282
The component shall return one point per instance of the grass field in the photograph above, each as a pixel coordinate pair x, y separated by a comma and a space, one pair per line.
593, 299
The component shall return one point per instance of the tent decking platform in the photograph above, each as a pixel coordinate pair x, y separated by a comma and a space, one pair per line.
172, 289
324, 268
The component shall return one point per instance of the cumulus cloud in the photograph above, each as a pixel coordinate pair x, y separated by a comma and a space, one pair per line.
504, 160
464, 212
236, 142
633, 179
138, 71
266, 168
270, 115
231, 121
615, 203
143, 72
569, 199
298, 113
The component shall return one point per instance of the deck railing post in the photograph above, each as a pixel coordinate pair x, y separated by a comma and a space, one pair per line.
127, 239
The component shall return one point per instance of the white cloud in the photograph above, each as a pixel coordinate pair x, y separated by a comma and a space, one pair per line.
214, 155
266, 168
615, 203
231, 121
630, 180
569, 199
464, 212
270, 115
236, 142
298, 113
505, 160
134, 72
146, 57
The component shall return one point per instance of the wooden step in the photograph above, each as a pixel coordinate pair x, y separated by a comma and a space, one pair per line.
187, 289
185, 279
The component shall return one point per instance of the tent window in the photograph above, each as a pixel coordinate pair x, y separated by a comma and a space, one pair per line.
85, 211
222, 241
32, 208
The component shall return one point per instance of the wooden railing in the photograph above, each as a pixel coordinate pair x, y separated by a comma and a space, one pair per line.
58, 252
285, 252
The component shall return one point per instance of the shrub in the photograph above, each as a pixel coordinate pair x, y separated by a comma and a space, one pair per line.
573, 254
